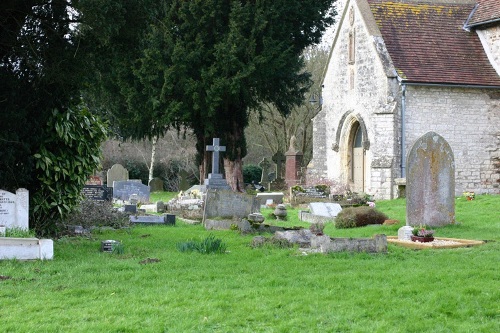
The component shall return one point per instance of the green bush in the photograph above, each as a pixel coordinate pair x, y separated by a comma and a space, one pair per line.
205, 246
353, 217
251, 173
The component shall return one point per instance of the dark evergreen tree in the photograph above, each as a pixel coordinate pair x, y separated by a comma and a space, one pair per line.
207, 63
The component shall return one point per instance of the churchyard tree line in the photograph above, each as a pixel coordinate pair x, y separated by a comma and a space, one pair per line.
146, 67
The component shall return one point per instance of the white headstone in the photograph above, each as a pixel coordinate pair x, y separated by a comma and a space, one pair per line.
404, 233
326, 209
14, 209
116, 173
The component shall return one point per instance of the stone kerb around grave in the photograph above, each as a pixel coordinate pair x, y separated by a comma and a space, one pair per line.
430, 182
14, 209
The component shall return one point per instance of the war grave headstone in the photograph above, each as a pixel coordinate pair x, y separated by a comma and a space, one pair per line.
430, 182
14, 210
116, 173
123, 190
215, 179
155, 185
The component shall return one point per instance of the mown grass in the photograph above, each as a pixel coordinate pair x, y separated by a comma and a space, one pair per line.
260, 290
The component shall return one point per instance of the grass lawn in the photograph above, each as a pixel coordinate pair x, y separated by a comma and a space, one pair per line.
261, 290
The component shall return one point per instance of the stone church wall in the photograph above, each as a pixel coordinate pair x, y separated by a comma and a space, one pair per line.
491, 42
469, 119
362, 90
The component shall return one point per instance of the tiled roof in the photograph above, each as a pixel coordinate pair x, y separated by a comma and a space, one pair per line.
486, 11
427, 42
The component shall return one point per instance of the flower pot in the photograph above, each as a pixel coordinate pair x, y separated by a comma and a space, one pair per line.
421, 239
469, 198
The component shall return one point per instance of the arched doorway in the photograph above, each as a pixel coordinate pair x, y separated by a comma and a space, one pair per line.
357, 172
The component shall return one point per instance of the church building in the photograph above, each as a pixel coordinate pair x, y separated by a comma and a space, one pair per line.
399, 69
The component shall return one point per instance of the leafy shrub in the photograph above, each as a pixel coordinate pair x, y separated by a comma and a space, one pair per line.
204, 246
97, 214
251, 173
358, 217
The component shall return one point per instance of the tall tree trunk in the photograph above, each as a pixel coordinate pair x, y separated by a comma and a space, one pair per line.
236, 150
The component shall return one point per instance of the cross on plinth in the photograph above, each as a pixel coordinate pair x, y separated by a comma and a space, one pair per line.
216, 148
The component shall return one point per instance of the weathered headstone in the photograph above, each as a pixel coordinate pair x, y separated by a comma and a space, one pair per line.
326, 209
229, 204
215, 179
14, 209
430, 182
184, 183
265, 165
116, 173
156, 185
124, 190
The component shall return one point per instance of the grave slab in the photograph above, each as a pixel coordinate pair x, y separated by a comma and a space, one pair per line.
326, 209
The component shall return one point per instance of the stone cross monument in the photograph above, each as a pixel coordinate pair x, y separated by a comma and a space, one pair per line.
215, 179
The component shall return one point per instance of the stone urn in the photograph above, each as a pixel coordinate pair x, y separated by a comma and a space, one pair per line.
280, 212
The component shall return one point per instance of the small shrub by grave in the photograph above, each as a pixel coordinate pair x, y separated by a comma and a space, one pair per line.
251, 173
353, 217
97, 214
207, 245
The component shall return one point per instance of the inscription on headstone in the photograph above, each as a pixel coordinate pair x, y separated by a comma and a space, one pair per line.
97, 192
430, 182
14, 209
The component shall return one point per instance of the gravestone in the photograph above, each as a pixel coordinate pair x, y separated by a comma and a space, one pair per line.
229, 204
293, 162
116, 173
278, 183
97, 192
430, 182
265, 165
124, 190
279, 158
326, 209
215, 179
14, 209
156, 185
184, 183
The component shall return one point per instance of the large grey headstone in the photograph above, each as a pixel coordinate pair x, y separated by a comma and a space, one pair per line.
116, 173
229, 204
124, 190
326, 209
14, 209
430, 182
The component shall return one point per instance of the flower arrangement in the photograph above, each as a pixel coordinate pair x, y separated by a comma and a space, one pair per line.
469, 195
422, 231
